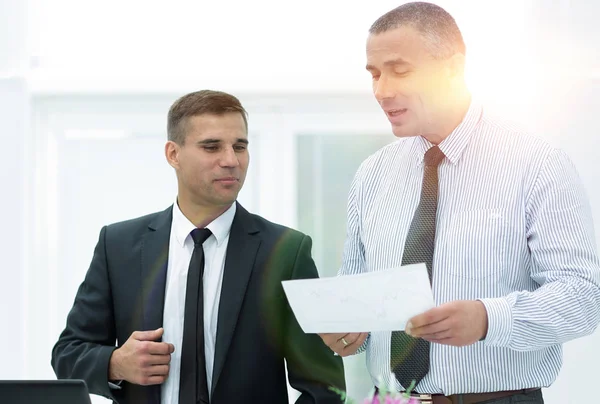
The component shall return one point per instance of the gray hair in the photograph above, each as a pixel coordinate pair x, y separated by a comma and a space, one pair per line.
436, 25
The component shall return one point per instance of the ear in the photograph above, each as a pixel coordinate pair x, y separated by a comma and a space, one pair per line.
456, 66
172, 154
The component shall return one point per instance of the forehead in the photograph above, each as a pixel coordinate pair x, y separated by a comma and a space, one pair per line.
403, 43
221, 126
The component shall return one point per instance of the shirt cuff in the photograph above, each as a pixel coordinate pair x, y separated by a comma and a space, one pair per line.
115, 385
500, 322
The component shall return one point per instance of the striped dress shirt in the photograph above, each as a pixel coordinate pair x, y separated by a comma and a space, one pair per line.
514, 230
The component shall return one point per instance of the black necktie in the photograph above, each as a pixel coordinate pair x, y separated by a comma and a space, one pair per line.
193, 386
410, 356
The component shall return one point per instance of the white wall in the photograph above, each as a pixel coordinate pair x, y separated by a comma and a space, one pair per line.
263, 45
13, 123
14, 136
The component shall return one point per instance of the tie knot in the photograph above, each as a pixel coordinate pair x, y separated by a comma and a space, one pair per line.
200, 235
434, 156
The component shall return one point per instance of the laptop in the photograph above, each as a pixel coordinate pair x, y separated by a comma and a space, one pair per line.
44, 392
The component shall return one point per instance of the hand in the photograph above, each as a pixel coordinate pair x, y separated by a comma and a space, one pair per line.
344, 344
457, 323
141, 360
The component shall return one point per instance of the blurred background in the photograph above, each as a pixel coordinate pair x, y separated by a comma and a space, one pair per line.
85, 88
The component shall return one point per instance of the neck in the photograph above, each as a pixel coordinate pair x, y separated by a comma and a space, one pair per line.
451, 114
200, 215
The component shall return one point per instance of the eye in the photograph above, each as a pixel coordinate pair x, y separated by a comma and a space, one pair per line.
210, 148
240, 147
374, 73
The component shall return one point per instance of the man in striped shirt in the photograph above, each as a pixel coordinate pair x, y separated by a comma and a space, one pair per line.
513, 262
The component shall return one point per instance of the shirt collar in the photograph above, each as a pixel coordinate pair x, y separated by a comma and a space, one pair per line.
219, 227
454, 145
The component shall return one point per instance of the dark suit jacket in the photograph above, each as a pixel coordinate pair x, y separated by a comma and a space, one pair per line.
123, 292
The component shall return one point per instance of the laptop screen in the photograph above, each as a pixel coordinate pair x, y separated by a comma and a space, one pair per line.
44, 392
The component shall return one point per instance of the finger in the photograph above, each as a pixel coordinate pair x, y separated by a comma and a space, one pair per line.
160, 348
153, 360
350, 342
437, 335
357, 343
351, 349
331, 338
342, 343
157, 370
443, 326
431, 316
352, 337
153, 335
445, 341
151, 380
337, 345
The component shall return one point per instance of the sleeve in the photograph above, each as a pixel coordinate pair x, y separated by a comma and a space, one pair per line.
312, 368
564, 262
85, 346
353, 258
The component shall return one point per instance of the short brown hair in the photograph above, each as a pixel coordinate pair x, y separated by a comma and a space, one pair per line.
198, 103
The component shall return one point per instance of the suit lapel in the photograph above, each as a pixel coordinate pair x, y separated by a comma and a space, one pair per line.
155, 252
239, 261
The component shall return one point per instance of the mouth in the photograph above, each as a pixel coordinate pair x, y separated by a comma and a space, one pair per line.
392, 113
227, 180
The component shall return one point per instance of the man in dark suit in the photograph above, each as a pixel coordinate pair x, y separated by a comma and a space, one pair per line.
186, 305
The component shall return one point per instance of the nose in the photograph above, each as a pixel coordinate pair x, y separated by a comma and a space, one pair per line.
229, 158
383, 89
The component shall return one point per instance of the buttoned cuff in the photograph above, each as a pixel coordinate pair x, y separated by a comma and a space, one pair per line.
500, 322
363, 347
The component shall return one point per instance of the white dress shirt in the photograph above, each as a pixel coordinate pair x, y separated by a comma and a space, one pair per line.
514, 229
181, 247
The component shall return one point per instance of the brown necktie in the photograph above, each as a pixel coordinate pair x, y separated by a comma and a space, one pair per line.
410, 356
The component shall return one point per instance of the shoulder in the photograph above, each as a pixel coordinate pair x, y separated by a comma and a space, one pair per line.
385, 155
377, 165
136, 226
499, 130
281, 246
277, 232
506, 143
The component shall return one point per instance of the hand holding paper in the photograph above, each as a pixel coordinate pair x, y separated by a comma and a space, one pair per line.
375, 301
456, 323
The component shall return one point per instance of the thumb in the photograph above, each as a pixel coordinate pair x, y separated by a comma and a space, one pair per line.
151, 335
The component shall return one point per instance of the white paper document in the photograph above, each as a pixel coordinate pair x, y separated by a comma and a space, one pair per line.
375, 301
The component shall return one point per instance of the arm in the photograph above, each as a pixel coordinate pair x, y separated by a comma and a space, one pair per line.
564, 262
84, 348
353, 259
312, 367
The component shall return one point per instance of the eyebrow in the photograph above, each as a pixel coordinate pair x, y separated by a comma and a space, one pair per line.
216, 141
391, 63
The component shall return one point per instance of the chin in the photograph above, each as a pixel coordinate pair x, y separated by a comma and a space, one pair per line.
402, 131
227, 200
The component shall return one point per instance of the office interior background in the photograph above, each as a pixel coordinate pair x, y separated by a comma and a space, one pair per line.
85, 87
